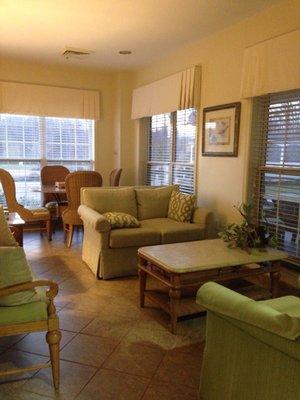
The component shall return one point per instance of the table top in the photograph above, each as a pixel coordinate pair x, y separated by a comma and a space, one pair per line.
204, 255
14, 219
49, 189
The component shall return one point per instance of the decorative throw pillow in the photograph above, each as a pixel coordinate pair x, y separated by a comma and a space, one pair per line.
14, 269
121, 220
6, 237
181, 206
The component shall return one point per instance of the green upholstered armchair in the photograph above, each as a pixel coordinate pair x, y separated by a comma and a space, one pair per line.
252, 348
24, 307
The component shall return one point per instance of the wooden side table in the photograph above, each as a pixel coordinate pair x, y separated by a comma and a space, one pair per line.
182, 267
16, 225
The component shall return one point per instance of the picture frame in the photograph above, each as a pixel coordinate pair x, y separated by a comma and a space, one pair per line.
220, 133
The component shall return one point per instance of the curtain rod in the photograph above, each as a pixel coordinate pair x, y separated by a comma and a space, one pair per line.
273, 37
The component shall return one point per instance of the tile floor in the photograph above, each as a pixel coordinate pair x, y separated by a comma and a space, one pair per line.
110, 349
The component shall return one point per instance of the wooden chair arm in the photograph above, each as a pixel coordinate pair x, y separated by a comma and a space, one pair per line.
20, 287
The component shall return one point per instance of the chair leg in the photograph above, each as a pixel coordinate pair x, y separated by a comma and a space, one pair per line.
65, 231
49, 229
70, 237
53, 340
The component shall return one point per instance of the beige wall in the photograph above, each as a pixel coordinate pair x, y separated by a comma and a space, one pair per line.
105, 82
221, 182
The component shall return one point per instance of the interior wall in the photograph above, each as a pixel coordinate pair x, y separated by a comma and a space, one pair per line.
107, 152
222, 181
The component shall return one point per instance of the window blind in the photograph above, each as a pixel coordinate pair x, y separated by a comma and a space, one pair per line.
275, 167
171, 149
27, 143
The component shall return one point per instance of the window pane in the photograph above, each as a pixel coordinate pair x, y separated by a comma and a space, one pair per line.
26, 175
185, 136
183, 175
160, 138
64, 141
158, 174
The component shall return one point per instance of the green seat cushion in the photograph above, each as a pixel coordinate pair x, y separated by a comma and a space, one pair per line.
181, 206
30, 312
133, 237
105, 200
119, 220
14, 269
154, 202
172, 231
6, 237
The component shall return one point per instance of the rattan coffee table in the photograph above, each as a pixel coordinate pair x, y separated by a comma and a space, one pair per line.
182, 266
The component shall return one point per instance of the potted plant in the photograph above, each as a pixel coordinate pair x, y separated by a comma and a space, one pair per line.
248, 234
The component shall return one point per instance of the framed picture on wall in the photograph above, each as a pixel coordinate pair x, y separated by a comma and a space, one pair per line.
221, 125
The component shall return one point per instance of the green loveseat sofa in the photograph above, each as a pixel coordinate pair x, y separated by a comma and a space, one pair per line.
252, 349
111, 253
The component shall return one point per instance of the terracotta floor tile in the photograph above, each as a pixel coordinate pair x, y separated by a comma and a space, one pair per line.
13, 359
36, 342
73, 378
9, 341
23, 395
74, 320
180, 368
111, 385
156, 338
88, 350
166, 391
139, 360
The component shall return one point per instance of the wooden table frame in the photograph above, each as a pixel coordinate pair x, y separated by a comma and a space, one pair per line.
177, 282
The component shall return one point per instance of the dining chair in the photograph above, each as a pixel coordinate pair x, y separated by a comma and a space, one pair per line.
74, 182
114, 177
31, 215
49, 175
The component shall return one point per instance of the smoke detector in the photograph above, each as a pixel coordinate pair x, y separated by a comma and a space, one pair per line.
72, 52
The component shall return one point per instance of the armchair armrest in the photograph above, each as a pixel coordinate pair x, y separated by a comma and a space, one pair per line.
93, 219
205, 218
227, 303
20, 287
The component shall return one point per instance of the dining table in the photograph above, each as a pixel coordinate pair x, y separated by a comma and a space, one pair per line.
51, 189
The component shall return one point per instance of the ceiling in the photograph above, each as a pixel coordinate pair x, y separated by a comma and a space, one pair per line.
39, 30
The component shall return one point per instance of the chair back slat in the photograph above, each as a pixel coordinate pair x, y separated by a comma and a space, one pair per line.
114, 177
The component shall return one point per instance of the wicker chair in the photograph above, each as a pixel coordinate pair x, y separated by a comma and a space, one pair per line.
49, 175
30, 215
74, 182
114, 177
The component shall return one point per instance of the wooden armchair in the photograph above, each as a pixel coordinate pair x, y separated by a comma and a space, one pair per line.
36, 316
29, 214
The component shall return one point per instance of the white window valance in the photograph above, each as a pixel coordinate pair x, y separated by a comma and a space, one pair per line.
272, 66
176, 92
50, 101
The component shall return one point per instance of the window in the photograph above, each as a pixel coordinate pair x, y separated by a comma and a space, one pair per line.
171, 149
27, 143
275, 167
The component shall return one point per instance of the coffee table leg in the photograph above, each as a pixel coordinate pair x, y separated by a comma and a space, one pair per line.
175, 295
143, 280
274, 280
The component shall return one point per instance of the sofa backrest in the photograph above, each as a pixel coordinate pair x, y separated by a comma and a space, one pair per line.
114, 199
153, 202
143, 202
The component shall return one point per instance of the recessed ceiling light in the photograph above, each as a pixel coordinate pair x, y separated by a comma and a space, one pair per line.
124, 52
